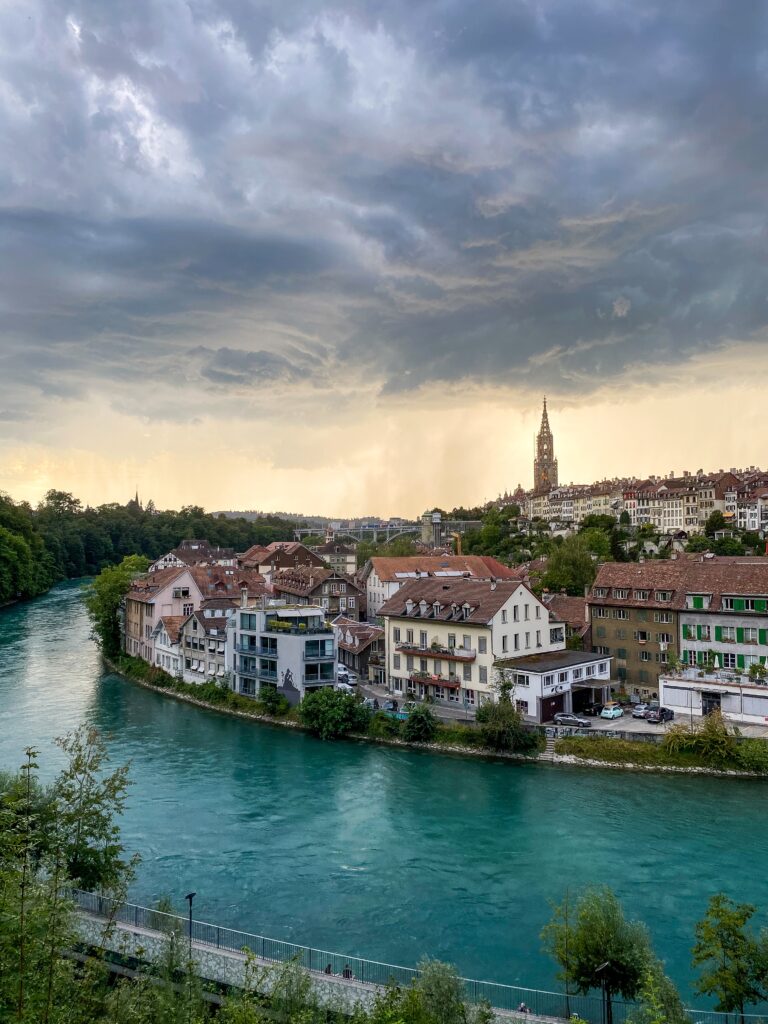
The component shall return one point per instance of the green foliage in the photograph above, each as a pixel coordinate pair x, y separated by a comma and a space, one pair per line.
728, 546
104, 596
596, 946
752, 756
712, 741
62, 540
331, 714
659, 1001
383, 726
625, 519
729, 955
571, 567
420, 726
501, 727
715, 522
272, 702
699, 542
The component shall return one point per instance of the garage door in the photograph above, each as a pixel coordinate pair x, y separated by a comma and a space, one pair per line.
677, 697
551, 705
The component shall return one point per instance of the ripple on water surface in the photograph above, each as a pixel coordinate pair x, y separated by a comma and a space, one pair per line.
379, 852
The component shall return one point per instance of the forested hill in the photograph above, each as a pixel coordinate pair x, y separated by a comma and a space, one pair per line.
60, 539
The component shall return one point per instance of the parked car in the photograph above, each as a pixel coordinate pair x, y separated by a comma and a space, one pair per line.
593, 709
612, 710
658, 715
640, 710
563, 718
372, 703
390, 705
344, 687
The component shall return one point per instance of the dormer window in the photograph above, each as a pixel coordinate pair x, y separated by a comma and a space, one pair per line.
663, 595
465, 610
409, 606
436, 608
620, 593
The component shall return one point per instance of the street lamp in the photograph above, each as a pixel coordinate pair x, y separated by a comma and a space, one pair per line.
189, 897
599, 970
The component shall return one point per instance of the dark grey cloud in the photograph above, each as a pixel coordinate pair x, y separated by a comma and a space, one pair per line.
402, 193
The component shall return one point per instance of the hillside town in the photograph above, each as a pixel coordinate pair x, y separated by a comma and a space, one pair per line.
687, 630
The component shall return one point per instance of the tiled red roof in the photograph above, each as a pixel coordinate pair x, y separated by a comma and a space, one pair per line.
727, 576
481, 567
484, 598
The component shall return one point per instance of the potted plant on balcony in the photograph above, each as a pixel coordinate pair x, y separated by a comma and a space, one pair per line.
758, 672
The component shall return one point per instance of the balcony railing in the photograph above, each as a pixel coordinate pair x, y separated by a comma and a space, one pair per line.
256, 652
325, 656
318, 682
282, 626
270, 677
444, 653
428, 679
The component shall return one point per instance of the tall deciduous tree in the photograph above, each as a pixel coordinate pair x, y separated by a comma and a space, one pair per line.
570, 567
598, 948
729, 955
104, 597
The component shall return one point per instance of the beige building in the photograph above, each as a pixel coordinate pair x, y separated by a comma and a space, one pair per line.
443, 635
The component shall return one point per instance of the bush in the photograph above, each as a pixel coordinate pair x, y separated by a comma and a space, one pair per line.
501, 727
712, 741
383, 726
272, 702
420, 726
752, 756
458, 736
330, 714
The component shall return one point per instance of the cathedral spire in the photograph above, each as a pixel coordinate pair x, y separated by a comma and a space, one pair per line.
544, 463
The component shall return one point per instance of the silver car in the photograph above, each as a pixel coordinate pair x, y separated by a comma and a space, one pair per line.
564, 718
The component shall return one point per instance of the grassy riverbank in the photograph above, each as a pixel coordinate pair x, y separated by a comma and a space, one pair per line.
746, 755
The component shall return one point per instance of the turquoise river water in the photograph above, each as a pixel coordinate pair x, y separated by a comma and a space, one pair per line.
372, 851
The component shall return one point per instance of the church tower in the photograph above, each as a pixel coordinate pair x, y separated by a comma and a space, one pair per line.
544, 463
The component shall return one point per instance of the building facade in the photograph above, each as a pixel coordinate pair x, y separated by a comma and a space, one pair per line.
289, 647
561, 681
443, 636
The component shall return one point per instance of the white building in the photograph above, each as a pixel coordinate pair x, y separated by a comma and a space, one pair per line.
545, 684
286, 646
694, 693
443, 635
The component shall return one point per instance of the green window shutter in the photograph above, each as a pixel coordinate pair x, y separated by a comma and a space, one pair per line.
763, 635
760, 606
700, 657
740, 660
698, 632
739, 634
698, 602
738, 604
685, 657
719, 633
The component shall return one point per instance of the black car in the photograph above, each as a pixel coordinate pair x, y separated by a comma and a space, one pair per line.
658, 715
390, 705
593, 710
563, 718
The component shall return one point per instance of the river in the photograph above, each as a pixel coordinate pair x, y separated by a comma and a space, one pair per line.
372, 851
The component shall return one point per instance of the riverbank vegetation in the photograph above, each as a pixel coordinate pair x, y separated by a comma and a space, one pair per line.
711, 743
62, 539
332, 715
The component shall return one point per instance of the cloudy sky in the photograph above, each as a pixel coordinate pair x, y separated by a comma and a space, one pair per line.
328, 257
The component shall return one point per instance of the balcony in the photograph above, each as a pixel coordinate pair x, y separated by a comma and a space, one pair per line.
256, 652
317, 682
439, 652
284, 626
325, 656
266, 676
426, 679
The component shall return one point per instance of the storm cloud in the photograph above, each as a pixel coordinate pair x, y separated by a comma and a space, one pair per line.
281, 195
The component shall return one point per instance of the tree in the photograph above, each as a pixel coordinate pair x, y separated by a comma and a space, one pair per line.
329, 713
715, 522
598, 948
728, 546
420, 726
501, 724
625, 519
570, 567
728, 954
659, 1001
699, 542
104, 597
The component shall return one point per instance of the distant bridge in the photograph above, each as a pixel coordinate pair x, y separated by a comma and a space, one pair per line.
431, 529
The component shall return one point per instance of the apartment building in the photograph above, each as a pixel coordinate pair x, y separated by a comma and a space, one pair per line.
203, 644
704, 610
361, 649
289, 647
560, 681
339, 557
194, 552
443, 635
334, 593
385, 576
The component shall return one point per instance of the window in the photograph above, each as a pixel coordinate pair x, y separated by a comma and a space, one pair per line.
602, 650
549, 680
642, 595
504, 642
641, 635
438, 666
662, 616
187, 609
350, 602
527, 611
620, 613
467, 673
409, 663
600, 613
422, 638
522, 706
422, 665
663, 595
409, 636
516, 613
562, 677
600, 631
750, 635
729, 660
517, 641
451, 640
601, 592
664, 638
396, 634
620, 593
482, 645
503, 614
149, 611
466, 642
645, 655
577, 673
538, 638
729, 634
483, 675
527, 639
621, 634
538, 611
621, 652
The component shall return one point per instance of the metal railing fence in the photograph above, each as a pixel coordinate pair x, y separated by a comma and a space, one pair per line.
371, 972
